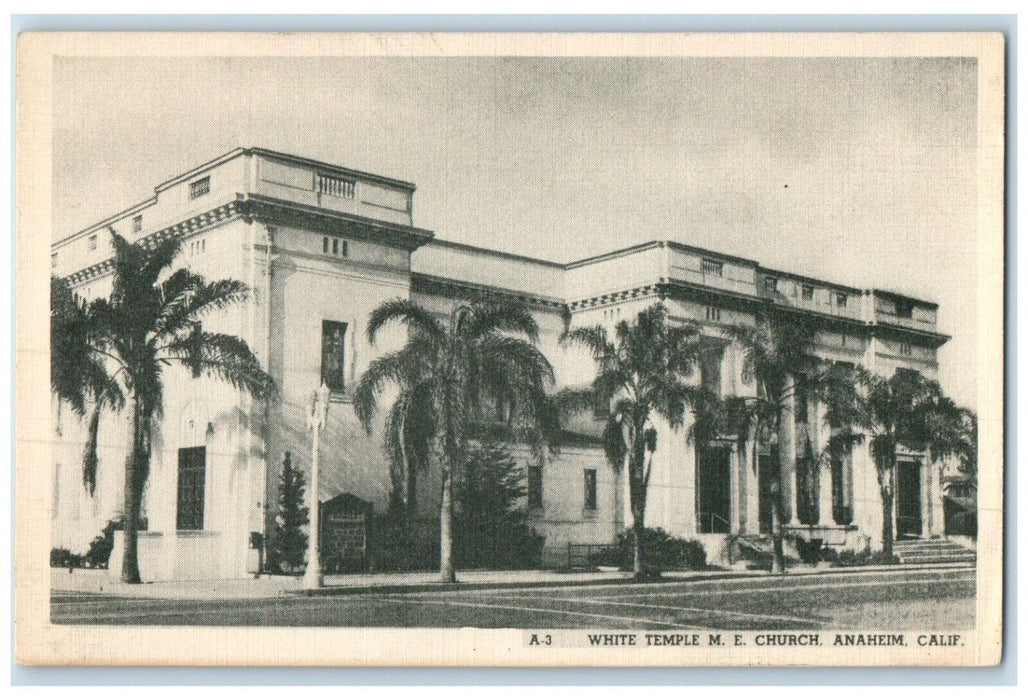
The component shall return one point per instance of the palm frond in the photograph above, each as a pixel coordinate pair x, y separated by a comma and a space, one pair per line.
401, 368
224, 357
415, 317
499, 316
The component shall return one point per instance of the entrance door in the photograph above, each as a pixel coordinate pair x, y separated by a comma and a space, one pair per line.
908, 499
714, 490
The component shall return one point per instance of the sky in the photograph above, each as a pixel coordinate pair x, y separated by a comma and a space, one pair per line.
859, 171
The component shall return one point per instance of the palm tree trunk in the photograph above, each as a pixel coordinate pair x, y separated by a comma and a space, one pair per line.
786, 465
778, 554
446, 572
637, 494
887, 532
132, 498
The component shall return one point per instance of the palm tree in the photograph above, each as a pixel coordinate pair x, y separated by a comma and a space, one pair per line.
905, 409
448, 370
643, 373
150, 321
778, 356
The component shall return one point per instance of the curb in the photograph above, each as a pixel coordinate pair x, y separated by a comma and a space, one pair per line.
331, 591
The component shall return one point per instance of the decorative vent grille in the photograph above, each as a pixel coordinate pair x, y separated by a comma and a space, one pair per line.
336, 186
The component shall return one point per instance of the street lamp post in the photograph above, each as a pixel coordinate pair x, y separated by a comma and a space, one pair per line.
317, 416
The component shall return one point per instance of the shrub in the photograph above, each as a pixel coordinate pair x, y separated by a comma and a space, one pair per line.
100, 548
490, 524
399, 544
866, 558
65, 559
288, 550
661, 552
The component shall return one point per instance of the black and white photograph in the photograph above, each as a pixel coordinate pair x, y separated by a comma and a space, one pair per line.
510, 349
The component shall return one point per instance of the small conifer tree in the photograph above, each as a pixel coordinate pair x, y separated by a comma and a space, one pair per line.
289, 544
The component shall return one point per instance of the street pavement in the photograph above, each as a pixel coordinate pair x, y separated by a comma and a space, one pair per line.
887, 598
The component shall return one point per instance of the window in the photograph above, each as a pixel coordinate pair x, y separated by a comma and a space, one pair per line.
590, 489
198, 188
904, 309
337, 246
807, 291
336, 186
770, 285
840, 300
53, 261
137, 223
333, 355
535, 487
713, 313
842, 482
92, 242
713, 267
710, 369
802, 399
905, 349
192, 465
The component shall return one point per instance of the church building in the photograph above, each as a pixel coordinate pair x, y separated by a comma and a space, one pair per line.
320, 246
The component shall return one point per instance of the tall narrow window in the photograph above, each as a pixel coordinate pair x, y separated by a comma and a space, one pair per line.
92, 242
801, 404
842, 484
535, 487
333, 355
770, 285
198, 188
590, 489
137, 223
192, 467
710, 369
53, 261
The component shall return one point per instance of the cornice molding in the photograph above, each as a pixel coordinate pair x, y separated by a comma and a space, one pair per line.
321, 220
430, 284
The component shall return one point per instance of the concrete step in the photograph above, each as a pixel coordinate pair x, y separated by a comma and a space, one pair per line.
913, 545
968, 558
930, 548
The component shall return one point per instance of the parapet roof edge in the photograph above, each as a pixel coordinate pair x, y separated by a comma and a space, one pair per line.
489, 251
813, 280
905, 297
223, 158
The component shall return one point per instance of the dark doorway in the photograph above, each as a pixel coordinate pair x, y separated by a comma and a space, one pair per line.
714, 490
908, 499
767, 469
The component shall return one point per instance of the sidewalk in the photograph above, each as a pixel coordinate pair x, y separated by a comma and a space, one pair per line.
97, 581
